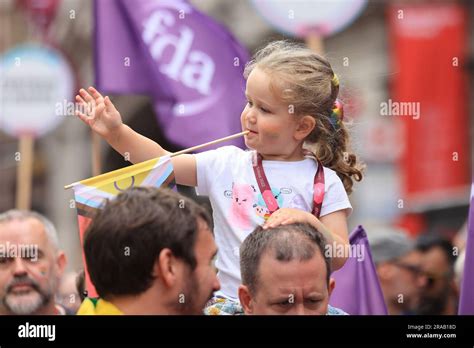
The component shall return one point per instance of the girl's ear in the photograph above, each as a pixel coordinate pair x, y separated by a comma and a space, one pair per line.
304, 127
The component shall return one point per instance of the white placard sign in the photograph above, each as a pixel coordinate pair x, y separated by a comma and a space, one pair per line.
34, 80
298, 17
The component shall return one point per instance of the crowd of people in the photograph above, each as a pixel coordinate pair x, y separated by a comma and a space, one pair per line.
276, 207
416, 277
152, 251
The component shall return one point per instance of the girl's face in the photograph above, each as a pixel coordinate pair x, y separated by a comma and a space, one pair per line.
273, 129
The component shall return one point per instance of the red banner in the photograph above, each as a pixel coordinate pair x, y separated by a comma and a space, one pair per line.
83, 223
429, 97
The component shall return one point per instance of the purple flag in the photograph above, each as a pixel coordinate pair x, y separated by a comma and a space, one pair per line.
357, 288
466, 301
190, 66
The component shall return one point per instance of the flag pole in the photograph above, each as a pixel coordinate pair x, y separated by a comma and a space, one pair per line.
315, 42
190, 149
25, 172
96, 155
197, 147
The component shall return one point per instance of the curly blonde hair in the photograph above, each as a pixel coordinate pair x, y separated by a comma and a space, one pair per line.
306, 81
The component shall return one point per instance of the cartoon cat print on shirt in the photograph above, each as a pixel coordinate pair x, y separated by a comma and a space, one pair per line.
243, 201
245, 205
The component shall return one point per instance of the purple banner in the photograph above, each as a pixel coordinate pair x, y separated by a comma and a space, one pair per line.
357, 288
190, 65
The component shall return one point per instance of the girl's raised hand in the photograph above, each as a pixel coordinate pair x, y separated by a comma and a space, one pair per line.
99, 113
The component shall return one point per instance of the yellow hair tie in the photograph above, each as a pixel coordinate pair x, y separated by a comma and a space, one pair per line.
335, 80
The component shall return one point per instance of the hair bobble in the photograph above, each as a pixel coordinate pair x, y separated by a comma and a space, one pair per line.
337, 114
335, 80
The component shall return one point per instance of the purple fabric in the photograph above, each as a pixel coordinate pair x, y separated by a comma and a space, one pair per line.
357, 288
466, 302
190, 66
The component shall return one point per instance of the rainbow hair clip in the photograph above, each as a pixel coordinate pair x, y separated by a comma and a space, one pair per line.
337, 115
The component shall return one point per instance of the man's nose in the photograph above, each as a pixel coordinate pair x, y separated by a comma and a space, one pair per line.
299, 309
421, 281
19, 267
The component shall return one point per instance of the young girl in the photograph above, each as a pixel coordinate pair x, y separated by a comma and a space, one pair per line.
292, 108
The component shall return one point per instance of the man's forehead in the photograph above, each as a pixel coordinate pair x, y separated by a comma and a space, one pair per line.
412, 256
288, 274
311, 288
25, 230
435, 259
204, 228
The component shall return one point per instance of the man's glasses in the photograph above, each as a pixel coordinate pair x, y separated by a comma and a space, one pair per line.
412, 268
431, 279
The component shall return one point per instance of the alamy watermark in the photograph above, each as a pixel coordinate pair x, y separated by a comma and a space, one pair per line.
28, 330
396, 108
347, 251
24, 251
69, 108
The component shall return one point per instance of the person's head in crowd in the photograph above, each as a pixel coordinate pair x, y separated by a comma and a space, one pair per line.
285, 271
81, 285
459, 268
67, 294
398, 267
150, 251
440, 293
31, 264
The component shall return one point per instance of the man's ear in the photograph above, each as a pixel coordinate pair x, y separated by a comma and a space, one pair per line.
304, 127
165, 267
332, 285
61, 262
245, 299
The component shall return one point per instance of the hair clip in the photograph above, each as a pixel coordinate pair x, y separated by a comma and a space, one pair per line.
337, 114
335, 80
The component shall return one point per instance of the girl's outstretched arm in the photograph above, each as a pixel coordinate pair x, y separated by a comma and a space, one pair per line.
104, 119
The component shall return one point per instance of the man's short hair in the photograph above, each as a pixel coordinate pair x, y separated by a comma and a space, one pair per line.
285, 243
429, 241
126, 236
388, 244
22, 215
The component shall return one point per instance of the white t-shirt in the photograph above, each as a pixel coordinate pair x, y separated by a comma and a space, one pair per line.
226, 175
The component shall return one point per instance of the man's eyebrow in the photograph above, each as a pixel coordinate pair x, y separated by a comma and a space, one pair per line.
280, 298
313, 294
